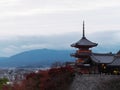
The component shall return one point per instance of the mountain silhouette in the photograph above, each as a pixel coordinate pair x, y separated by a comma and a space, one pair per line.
38, 57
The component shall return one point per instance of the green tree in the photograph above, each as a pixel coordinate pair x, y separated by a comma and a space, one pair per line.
3, 81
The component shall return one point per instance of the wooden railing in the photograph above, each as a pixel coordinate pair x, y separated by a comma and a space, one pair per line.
82, 51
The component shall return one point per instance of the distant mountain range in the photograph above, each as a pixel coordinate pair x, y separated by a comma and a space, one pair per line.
38, 58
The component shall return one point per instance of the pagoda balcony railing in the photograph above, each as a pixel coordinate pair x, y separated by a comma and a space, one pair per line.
80, 54
83, 51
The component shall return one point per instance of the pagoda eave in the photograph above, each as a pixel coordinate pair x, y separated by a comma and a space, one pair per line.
83, 46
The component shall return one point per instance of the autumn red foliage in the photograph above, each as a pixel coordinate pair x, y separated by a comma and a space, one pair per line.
52, 79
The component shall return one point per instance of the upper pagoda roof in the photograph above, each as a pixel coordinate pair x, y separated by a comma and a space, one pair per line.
84, 42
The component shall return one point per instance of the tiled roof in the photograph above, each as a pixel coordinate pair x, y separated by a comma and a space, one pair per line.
84, 42
102, 58
118, 53
116, 62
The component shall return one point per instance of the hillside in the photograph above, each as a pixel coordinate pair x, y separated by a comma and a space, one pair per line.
39, 57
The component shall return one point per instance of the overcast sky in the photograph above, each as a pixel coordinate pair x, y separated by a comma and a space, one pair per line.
55, 24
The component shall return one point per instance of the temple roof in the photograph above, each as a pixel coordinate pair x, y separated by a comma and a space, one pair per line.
102, 58
116, 62
118, 53
106, 58
84, 42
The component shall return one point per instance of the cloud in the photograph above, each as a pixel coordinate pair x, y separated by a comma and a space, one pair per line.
18, 44
51, 17
28, 24
106, 42
13, 8
60, 23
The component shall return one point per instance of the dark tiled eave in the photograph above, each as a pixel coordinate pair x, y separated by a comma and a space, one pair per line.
116, 62
84, 42
102, 58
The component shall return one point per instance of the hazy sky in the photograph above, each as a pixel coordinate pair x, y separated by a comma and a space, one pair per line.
55, 24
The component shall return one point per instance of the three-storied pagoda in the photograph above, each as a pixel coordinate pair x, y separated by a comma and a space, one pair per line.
83, 46
89, 62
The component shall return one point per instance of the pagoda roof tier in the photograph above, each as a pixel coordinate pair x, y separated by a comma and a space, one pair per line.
84, 42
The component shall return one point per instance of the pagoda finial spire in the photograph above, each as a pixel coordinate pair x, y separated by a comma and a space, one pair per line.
83, 29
